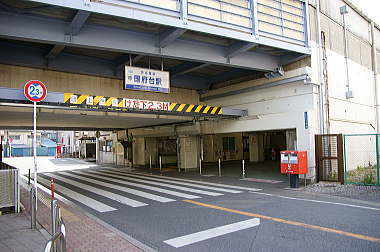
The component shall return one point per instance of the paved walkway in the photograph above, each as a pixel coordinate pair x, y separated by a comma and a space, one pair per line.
16, 234
84, 232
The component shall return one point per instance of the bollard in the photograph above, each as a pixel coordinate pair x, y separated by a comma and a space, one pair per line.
200, 166
220, 171
33, 223
305, 180
160, 164
243, 163
52, 188
150, 162
54, 216
29, 177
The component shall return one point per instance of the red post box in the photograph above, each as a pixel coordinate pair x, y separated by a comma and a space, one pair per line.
293, 162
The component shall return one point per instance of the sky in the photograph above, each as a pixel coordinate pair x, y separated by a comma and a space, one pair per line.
370, 7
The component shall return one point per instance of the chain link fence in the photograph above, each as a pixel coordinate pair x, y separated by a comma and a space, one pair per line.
361, 159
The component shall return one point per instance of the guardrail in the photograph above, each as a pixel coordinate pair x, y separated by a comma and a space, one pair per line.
9, 187
57, 243
283, 20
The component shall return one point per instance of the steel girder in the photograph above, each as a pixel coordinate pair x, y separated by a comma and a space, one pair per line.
30, 56
178, 19
48, 30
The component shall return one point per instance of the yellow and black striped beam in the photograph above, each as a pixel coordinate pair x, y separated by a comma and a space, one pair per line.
199, 109
119, 104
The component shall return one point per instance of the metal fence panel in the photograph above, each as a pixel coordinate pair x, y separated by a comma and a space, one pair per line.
361, 159
329, 158
9, 188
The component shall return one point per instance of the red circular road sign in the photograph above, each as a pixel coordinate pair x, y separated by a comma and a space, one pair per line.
35, 91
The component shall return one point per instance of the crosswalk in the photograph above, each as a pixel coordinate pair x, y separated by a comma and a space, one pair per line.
105, 190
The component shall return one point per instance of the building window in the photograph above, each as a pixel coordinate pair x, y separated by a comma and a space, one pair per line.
108, 146
15, 137
228, 143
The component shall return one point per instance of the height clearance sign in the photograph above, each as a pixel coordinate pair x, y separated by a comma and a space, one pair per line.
143, 79
35, 91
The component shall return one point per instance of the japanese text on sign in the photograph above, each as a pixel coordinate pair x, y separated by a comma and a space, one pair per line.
122, 103
146, 79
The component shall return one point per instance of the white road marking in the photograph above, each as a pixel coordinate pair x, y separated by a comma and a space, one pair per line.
89, 202
117, 179
211, 233
194, 181
126, 176
121, 188
110, 195
168, 180
318, 201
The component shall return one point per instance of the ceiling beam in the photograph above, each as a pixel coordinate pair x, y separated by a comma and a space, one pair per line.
292, 57
239, 47
169, 36
55, 51
124, 60
78, 21
30, 56
189, 81
99, 37
73, 29
186, 67
228, 76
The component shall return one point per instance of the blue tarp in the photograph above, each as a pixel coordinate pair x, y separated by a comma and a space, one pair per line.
28, 151
48, 143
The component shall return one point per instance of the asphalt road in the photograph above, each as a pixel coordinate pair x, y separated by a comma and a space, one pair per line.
289, 220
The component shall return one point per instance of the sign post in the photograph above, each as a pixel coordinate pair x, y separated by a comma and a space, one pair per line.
35, 91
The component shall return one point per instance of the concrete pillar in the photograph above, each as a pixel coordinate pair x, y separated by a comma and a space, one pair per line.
139, 151
151, 150
189, 152
291, 140
208, 148
256, 148
97, 151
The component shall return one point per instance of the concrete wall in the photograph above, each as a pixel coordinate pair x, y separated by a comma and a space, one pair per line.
16, 77
189, 152
139, 151
213, 147
151, 151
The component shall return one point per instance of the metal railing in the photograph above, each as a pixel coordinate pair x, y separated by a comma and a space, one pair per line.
58, 240
9, 187
57, 243
275, 19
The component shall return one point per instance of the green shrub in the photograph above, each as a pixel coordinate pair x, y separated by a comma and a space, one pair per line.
369, 179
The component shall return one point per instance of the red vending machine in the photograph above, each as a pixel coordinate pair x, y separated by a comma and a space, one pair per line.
294, 163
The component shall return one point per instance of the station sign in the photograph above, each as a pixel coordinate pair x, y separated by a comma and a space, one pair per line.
143, 79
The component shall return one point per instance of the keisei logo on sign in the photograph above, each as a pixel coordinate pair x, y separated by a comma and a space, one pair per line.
35, 91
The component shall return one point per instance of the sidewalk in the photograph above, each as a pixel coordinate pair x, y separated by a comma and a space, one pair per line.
16, 234
84, 231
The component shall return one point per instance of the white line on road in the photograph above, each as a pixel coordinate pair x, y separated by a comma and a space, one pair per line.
89, 202
127, 176
318, 201
119, 180
169, 180
110, 195
121, 188
196, 181
211, 233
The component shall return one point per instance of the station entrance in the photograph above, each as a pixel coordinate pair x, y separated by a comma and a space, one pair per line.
259, 150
